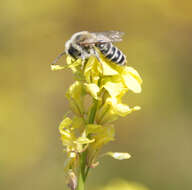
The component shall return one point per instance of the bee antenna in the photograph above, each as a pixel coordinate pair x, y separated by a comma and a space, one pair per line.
58, 57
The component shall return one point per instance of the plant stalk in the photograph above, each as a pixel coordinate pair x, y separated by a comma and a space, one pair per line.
81, 178
83, 171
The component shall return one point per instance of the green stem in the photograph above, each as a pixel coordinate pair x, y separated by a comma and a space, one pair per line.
81, 178
83, 171
86, 172
93, 112
81, 182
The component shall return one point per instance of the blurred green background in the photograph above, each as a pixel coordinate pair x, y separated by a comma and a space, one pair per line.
158, 43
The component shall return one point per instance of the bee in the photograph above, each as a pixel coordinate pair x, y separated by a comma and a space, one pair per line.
85, 44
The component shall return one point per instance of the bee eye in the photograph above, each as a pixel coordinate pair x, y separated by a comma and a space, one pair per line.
74, 52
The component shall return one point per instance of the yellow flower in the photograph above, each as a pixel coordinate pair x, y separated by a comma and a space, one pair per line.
68, 129
106, 83
101, 134
116, 81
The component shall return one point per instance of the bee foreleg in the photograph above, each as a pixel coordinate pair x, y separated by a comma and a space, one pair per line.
96, 54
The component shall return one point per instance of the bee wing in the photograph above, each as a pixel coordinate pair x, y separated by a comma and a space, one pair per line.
103, 37
109, 36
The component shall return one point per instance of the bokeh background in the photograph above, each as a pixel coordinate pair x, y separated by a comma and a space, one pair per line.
158, 43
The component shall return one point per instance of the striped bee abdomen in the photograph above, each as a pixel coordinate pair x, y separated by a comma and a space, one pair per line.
112, 53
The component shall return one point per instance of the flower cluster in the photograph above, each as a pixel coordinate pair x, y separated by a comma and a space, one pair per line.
96, 101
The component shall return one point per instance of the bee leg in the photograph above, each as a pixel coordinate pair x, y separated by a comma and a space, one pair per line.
96, 54
82, 63
84, 57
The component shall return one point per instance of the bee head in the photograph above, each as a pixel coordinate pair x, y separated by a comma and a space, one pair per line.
76, 39
80, 36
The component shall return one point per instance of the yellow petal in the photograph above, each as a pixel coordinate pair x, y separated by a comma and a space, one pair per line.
92, 70
65, 124
136, 108
83, 140
115, 88
67, 136
103, 135
57, 67
132, 79
108, 70
93, 90
72, 63
134, 73
122, 110
93, 128
78, 123
65, 133
109, 117
119, 108
119, 155
75, 94
89, 65
89, 68
75, 64
69, 60
76, 90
